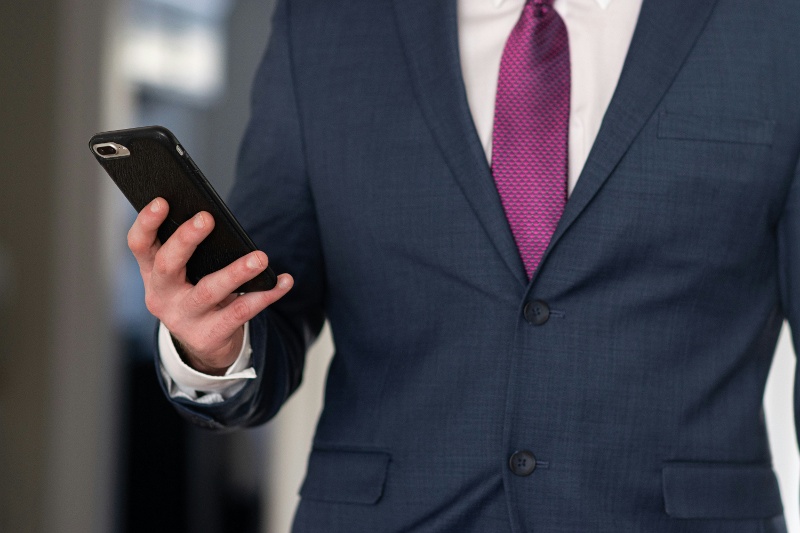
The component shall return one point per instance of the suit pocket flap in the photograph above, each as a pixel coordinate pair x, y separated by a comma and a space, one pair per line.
345, 476
710, 128
709, 490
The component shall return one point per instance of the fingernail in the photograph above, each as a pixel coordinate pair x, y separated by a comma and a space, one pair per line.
253, 261
199, 223
155, 207
284, 282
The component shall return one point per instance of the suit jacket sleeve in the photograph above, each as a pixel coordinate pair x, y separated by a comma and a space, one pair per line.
273, 202
789, 250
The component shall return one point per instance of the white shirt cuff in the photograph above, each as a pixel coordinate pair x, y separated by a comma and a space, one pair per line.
184, 381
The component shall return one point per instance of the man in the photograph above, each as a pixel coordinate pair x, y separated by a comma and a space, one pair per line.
508, 360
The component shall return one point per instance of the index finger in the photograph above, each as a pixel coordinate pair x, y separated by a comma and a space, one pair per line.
143, 235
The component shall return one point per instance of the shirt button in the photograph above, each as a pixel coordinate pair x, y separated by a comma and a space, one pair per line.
536, 312
522, 463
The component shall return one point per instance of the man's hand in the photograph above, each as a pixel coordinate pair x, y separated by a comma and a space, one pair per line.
207, 320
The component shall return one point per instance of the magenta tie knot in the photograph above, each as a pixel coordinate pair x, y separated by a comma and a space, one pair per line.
542, 7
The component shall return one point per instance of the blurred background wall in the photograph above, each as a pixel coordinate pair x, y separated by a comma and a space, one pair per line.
87, 442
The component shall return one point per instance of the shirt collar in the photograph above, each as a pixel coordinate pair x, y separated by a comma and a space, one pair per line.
602, 3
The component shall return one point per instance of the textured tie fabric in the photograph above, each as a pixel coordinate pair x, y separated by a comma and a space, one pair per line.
531, 121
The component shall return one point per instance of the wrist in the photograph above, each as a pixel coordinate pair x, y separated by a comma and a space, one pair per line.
196, 362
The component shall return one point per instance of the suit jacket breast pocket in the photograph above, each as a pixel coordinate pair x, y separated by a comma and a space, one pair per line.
715, 129
721, 150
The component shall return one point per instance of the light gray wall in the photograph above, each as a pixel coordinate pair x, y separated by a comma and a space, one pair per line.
27, 89
57, 359
247, 33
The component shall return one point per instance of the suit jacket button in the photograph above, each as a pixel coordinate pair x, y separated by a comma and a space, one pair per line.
536, 312
522, 463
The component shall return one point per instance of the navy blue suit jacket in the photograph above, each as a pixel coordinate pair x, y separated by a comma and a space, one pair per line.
637, 387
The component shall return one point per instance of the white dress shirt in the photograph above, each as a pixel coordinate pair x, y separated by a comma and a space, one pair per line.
599, 31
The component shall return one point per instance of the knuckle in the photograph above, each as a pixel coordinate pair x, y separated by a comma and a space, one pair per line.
202, 295
135, 241
183, 236
153, 303
240, 310
162, 263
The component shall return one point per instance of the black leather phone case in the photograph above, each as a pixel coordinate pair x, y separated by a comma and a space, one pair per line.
159, 166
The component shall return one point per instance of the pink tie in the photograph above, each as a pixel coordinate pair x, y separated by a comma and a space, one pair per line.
529, 147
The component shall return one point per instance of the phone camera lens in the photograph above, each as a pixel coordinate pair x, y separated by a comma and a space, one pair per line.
106, 150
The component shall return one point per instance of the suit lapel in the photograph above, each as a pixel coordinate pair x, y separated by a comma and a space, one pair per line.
428, 30
664, 35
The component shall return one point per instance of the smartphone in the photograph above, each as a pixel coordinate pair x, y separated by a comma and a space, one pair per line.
149, 162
